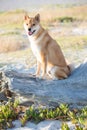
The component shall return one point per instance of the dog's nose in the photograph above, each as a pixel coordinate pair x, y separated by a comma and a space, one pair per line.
29, 29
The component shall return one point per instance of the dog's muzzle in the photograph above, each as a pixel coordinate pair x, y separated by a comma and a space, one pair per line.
30, 32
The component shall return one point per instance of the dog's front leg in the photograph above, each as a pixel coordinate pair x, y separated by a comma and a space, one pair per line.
44, 65
38, 68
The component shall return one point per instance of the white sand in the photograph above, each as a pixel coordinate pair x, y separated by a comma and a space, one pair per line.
44, 125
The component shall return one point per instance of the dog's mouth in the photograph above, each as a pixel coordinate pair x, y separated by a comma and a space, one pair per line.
30, 32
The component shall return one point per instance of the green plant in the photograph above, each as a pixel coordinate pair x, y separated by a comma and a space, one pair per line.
42, 114
64, 108
8, 113
65, 127
11, 111
79, 128
60, 113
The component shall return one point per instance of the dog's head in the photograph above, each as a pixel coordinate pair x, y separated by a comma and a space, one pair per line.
31, 24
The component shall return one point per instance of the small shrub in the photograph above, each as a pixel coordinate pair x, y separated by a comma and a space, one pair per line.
66, 19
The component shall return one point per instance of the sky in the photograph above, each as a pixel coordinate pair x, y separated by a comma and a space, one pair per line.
6, 5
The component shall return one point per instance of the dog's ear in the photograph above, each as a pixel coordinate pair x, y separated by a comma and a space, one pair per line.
37, 17
26, 17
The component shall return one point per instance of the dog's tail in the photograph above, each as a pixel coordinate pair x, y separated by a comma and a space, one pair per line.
71, 67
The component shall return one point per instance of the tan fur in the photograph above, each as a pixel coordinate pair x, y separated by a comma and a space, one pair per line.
50, 58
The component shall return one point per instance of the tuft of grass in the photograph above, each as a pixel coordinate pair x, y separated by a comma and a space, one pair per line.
65, 126
66, 19
12, 41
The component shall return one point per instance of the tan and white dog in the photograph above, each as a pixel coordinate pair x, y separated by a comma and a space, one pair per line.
50, 58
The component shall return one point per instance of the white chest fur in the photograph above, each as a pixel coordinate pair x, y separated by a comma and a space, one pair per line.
36, 49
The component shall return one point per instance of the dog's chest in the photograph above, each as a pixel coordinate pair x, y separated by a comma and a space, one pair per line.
36, 49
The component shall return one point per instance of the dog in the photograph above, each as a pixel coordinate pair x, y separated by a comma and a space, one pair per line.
50, 59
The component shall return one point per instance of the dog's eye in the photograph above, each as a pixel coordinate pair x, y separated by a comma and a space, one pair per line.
33, 24
27, 24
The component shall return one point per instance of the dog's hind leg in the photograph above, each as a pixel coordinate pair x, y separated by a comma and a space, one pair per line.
58, 73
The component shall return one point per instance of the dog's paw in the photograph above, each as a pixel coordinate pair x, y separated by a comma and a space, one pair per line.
45, 76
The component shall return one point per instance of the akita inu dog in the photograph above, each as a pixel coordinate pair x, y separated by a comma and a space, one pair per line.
50, 58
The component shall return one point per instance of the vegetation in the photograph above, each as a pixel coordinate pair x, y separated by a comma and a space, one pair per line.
15, 18
8, 113
60, 113
66, 19
12, 111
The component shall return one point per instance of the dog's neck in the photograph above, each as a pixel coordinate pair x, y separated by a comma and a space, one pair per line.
39, 33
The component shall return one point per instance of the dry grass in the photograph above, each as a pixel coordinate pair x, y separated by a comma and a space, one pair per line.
12, 19
48, 14
52, 14
72, 42
11, 43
